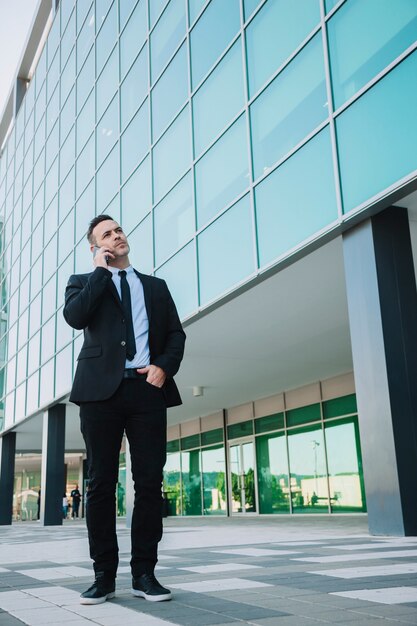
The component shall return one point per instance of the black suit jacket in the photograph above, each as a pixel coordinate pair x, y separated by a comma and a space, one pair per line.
93, 304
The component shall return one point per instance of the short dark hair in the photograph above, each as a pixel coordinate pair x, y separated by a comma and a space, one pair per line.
96, 220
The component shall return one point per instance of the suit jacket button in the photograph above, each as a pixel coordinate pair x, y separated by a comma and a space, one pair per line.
123, 343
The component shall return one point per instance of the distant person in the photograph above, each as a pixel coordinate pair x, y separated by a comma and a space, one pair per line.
76, 499
64, 506
38, 515
133, 347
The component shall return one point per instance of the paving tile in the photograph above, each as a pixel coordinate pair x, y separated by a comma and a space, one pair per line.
219, 567
256, 552
219, 585
390, 595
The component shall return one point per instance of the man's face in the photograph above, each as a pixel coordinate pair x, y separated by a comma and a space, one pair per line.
109, 234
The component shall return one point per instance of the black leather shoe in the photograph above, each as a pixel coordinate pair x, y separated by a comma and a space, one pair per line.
102, 589
146, 586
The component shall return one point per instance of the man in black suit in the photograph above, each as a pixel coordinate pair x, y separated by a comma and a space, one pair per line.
133, 346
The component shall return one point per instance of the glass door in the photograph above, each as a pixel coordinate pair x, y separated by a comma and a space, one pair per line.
242, 478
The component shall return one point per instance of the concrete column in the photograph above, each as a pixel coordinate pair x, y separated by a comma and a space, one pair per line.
7, 464
382, 301
53, 470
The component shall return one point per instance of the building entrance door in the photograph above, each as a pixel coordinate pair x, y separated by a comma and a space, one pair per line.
242, 478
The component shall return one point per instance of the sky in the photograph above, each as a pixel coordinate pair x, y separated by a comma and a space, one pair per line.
15, 19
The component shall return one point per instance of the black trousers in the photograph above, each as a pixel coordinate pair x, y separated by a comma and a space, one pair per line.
137, 408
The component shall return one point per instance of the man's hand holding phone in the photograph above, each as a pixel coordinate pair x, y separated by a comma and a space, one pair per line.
101, 257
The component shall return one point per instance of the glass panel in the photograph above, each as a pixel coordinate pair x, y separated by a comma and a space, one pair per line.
102, 7
85, 122
242, 429
125, 8
67, 40
225, 251
52, 78
224, 85
364, 37
39, 139
137, 196
134, 88
249, 477
309, 492
85, 80
194, 7
288, 212
49, 260
51, 184
67, 156
107, 131
66, 238
172, 484
86, 35
212, 436
271, 455
214, 481
52, 146
155, 9
345, 467
173, 446
210, 36
141, 246
67, 195
166, 36
274, 33
310, 413
291, 107
85, 211
46, 384
68, 77
34, 353
269, 422
53, 38
249, 6
63, 373
222, 173
67, 115
191, 481
85, 165
51, 220
176, 141
174, 219
170, 92
107, 83
107, 180
329, 4
135, 141
106, 37
180, 274
48, 340
193, 441
133, 36
380, 128
340, 406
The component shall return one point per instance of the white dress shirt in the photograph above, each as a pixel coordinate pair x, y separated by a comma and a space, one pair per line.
139, 315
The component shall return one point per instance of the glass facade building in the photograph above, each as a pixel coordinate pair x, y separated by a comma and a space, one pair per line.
228, 138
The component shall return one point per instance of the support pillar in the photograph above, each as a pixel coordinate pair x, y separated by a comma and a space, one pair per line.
382, 302
7, 465
53, 469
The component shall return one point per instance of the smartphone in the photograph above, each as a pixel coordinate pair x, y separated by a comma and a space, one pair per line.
95, 250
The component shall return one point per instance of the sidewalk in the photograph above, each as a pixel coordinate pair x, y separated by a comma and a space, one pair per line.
271, 571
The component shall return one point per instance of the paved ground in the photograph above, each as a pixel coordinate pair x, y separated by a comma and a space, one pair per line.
267, 571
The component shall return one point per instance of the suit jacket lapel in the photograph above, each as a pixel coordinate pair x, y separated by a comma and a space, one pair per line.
146, 283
